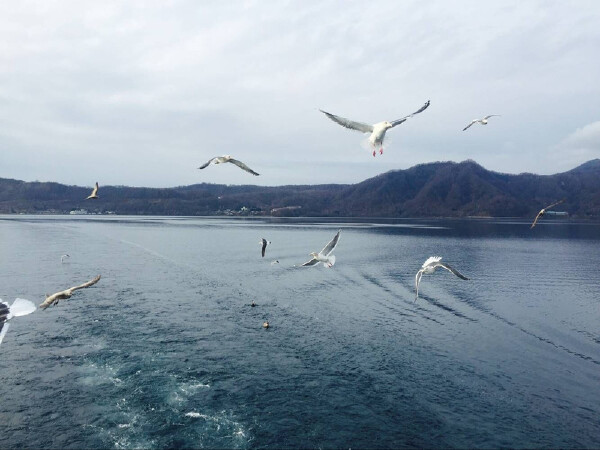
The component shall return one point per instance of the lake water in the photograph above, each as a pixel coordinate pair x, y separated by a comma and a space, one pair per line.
165, 350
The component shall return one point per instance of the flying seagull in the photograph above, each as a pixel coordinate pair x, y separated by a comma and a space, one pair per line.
377, 130
544, 210
67, 293
429, 266
483, 121
228, 159
324, 255
94, 194
62, 258
264, 244
20, 307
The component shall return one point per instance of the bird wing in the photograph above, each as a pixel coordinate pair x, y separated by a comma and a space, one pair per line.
206, 164
453, 270
329, 247
358, 126
430, 260
241, 165
537, 217
420, 110
554, 204
3, 330
264, 247
491, 115
312, 262
417, 281
468, 126
21, 307
85, 285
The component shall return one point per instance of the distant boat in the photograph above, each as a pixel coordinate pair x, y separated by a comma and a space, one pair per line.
78, 212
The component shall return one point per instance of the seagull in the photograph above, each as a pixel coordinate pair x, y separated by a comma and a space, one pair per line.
266, 324
483, 121
429, 266
377, 130
20, 307
276, 261
324, 255
62, 258
264, 244
67, 293
544, 210
226, 159
94, 194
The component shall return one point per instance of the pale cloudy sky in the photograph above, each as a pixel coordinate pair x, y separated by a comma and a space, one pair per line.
141, 93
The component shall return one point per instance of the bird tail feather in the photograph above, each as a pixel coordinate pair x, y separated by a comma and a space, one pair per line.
331, 260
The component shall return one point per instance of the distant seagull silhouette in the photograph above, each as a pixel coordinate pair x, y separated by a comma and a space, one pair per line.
266, 324
543, 211
62, 258
325, 255
275, 262
253, 304
429, 266
483, 121
377, 131
264, 243
67, 293
20, 307
228, 159
94, 194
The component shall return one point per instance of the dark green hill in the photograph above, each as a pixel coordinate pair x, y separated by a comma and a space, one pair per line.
440, 189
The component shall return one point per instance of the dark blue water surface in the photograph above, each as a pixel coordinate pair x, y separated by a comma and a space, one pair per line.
165, 350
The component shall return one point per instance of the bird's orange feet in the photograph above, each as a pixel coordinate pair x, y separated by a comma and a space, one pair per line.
381, 151
374, 153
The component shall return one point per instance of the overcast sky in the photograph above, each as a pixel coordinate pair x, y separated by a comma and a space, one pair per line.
141, 93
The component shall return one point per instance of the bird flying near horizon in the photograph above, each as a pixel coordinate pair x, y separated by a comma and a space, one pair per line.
228, 159
544, 210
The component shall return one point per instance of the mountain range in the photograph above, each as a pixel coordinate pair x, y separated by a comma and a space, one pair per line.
439, 189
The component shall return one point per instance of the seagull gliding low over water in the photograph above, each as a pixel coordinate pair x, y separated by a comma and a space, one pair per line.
429, 266
67, 293
543, 211
377, 130
325, 256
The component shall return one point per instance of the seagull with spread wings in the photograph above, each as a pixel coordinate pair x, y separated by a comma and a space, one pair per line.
94, 194
325, 256
67, 293
228, 159
544, 210
377, 131
483, 121
429, 266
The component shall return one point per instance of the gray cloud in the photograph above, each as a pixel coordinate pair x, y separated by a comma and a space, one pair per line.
153, 90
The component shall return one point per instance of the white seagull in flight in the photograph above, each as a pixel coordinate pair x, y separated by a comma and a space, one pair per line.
544, 210
377, 130
20, 307
264, 244
429, 266
94, 194
325, 256
67, 293
62, 258
228, 159
483, 121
